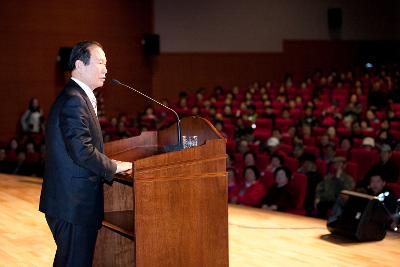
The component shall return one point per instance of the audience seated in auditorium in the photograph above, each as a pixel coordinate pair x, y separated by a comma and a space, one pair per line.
279, 197
329, 188
328, 114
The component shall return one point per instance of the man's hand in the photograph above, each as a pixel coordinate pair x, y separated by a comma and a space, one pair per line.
122, 166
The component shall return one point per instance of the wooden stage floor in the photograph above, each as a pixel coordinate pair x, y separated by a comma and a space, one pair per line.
256, 237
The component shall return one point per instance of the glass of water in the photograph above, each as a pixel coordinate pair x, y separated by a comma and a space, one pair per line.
189, 141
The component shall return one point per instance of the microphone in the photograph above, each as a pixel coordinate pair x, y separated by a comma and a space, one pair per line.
178, 121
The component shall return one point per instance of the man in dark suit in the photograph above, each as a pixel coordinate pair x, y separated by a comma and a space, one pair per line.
72, 191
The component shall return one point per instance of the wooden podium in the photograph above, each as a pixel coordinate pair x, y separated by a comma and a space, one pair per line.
171, 210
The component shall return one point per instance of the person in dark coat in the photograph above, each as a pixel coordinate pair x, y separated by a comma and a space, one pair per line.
76, 166
385, 167
309, 168
279, 197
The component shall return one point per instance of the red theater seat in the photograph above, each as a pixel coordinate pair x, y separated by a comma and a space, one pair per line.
283, 124
318, 131
291, 163
312, 150
267, 179
364, 158
396, 157
395, 106
264, 123
341, 153
395, 188
298, 185
395, 134
309, 140
285, 149
352, 170
262, 161
322, 167
343, 132
262, 134
395, 125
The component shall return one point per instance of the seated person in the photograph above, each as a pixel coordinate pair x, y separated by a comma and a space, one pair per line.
309, 168
377, 187
330, 187
368, 143
243, 146
279, 197
328, 152
20, 167
275, 162
386, 168
252, 191
249, 159
233, 184
229, 161
32, 159
12, 151
298, 150
4, 164
271, 145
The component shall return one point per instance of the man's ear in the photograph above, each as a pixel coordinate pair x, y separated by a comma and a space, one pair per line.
79, 64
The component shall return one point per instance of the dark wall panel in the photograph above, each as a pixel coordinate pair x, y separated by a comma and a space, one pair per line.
33, 31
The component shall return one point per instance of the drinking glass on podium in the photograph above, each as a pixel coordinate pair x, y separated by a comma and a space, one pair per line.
189, 141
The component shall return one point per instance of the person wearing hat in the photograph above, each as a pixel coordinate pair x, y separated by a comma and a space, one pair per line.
309, 168
270, 146
330, 187
368, 143
386, 168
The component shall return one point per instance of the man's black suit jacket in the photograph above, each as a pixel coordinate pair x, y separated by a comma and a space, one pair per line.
76, 167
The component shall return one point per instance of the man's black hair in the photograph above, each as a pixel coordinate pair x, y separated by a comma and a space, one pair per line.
254, 169
250, 152
81, 52
287, 171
